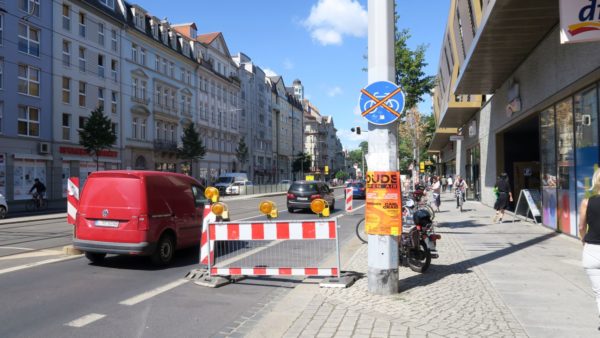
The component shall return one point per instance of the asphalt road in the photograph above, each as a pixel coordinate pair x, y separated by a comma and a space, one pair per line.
127, 296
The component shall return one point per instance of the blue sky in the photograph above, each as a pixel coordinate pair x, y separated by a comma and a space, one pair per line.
320, 42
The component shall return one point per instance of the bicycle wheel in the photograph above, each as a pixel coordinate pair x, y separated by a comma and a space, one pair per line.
30, 205
360, 231
43, 204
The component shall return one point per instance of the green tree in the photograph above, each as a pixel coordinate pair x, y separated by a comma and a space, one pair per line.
241, 152
342, 175
97, 134
301, 162
364, 146
191, 148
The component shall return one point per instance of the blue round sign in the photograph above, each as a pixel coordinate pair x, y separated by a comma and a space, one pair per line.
381, 102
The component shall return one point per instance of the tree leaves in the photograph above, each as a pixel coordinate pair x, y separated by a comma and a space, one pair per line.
97, 134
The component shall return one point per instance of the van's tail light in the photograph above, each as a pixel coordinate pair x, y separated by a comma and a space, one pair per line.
314, 197
143, 222
291, 196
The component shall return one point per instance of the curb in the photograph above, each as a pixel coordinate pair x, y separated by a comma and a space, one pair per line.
24, 219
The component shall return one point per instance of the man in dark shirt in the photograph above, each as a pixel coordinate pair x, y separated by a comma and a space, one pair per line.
40, 189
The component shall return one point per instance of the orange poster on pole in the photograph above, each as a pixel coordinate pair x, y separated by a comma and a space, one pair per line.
383, 213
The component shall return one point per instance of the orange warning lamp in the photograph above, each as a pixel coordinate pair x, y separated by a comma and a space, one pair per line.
218, 209
268, 208
212, 194
320, 207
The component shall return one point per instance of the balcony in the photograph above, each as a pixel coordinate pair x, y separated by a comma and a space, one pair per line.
164, 145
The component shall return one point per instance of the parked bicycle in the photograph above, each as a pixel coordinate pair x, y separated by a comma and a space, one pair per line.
36, 203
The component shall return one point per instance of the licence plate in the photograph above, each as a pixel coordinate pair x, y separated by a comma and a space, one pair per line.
104, 223
302, 198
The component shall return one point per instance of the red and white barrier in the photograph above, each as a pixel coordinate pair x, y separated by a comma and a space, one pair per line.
265, 231
349, 196
205, 247
72, 199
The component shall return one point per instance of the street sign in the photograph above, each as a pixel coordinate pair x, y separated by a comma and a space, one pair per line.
456, 138
381, 102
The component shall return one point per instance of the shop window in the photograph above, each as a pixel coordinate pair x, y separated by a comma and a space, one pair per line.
566, 167
548, 167
25, 172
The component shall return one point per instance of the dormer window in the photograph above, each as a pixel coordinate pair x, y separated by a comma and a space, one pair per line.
193, 33
108, 3
173, 40
139, 18
154, 24
165, 35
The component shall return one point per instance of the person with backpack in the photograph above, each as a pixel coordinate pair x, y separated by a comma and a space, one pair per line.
504, 197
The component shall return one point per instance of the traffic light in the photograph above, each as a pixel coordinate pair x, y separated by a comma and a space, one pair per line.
356, 130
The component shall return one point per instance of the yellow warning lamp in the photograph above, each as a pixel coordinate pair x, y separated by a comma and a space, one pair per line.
268, 208
212, 194
218, 209
320, 207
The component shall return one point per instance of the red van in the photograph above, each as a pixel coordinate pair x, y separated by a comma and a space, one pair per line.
138, 213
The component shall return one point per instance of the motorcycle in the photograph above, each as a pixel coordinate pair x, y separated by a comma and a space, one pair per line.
418, 246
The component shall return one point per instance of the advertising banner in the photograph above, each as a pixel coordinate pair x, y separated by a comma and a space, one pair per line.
383, 212
579, 21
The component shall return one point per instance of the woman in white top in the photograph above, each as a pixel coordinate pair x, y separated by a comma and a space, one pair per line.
436, 187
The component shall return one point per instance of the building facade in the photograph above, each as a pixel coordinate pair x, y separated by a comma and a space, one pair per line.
321, 143
539, 123
256, 126
26, 98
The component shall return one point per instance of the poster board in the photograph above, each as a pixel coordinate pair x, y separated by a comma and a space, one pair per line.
528, 205
383, 212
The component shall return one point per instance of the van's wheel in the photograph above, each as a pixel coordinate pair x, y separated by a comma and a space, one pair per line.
95, 257
163, 253
2, 212
291, 210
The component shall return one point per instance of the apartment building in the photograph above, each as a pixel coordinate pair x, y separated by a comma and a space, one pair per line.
539, 123
86, 68
26, 97
255, 119
321, 143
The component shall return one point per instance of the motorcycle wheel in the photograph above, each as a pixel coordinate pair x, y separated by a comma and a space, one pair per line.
419, 260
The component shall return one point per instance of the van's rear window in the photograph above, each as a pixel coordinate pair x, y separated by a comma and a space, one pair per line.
112, 192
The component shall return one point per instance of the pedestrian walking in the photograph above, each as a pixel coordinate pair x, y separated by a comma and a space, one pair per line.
589, 232
504, 197
450, 183
444, 182
436, 188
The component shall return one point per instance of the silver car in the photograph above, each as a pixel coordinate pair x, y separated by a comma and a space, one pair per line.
3, 207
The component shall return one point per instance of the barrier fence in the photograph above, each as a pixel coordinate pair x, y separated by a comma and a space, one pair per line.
271, 248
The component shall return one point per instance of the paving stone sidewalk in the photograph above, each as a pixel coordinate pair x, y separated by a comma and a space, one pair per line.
491, 280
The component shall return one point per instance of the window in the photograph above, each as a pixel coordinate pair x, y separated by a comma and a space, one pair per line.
1, 114
134, 88
66, 126
157, 63
29, 40
113, 102
173, 133
32, 7
143, 90
173, 104
66, 53
82, 121
29, 121
66, 90
101, 98
115, 128
1, 29
100, 65
108, 3
134, 52
113, 40
157, 136
172, 69
143, 129
82, 87
113, 69
143, 56
157, 95
1, 73
166, 97
66, 17
134, 128
29, 80
82, 24
164, 66
82, 59
101, 33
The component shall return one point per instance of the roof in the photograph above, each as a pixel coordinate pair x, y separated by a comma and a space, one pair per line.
208, 38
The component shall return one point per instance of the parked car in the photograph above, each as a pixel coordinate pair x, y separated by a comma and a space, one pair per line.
285, 182
3, 207
138, 213
358, 190
301, 193
238, 188
227, 180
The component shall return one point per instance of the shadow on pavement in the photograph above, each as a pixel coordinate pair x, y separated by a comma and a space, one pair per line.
184, 257
438, 272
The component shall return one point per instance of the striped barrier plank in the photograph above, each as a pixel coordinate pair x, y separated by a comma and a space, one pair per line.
72, 199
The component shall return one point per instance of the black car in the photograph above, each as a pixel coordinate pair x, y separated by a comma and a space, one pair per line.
301, 193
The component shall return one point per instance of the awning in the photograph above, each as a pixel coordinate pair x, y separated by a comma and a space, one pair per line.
509, 31
441, 138
32, 157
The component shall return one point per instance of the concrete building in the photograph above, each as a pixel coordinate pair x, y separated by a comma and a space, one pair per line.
256, 126
321, 143
26, 99
86, 67
159, 97
539, 123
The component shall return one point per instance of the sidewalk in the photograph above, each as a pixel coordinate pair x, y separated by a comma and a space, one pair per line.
498, 280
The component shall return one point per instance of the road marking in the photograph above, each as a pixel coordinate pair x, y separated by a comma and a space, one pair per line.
15, 248
149, 294
31, 265
85, 320
32, 253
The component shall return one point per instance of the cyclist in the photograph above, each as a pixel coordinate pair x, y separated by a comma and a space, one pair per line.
460, 187
40, 189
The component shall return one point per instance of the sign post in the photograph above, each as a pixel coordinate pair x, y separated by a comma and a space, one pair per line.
381, 104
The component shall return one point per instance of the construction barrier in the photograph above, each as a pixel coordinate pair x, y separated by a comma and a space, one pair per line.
72, 199
349, 196
271, 248
205, 251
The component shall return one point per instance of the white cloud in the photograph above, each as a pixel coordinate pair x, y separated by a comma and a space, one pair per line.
330, 20
269, 72
335, 91
356, 111
288, 64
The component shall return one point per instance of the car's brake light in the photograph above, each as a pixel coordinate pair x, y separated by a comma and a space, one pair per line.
291, 196
312, 197
143, 222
